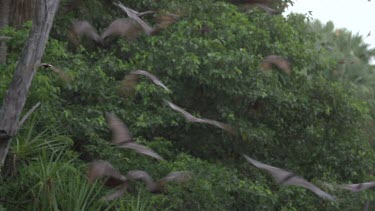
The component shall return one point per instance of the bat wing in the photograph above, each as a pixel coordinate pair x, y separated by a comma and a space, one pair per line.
145, 177
298, 181
219, 125
123, 27
188, 116
359, 187
133, 15
84, 29
120, 191
191, 118
120, 132
101, 168
284, 177
154, 79
141, 149
177, 176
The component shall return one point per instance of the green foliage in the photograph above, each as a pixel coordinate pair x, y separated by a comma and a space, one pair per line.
345, 58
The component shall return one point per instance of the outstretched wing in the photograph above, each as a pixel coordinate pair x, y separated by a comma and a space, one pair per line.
359, 187
177, 176
141, 149
284, 177
120, 132
84, 29
191, 118
188, 116
123, 27
154, 79
101, 168
145, 177
133, 15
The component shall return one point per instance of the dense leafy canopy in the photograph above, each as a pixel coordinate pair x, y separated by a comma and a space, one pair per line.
304, 122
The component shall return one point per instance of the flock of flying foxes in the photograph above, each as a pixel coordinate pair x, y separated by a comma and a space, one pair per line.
128, 28
122, 138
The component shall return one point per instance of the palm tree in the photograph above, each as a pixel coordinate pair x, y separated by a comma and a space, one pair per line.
351, 63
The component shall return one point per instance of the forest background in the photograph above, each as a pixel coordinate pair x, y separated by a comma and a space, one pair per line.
317, 121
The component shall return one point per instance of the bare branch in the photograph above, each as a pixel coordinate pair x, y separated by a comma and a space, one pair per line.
24, 118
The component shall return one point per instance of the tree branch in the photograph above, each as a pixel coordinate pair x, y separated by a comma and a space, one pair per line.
28, 113
32, 53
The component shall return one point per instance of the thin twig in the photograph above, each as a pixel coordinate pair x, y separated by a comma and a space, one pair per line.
5, 38
24, 118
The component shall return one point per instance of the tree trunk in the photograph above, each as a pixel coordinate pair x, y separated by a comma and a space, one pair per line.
4, 21
32, 53
21, 11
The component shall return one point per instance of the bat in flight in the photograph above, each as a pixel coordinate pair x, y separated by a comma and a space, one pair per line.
158, 186
122, 137
123, 27
286, 178
99, 169
56, 70
164, 21
279, 61
191, 118
359, 187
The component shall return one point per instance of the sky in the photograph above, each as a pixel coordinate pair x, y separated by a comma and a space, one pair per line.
357, 16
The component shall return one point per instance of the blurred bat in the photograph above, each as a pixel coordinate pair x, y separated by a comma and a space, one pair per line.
127, 87
100, 168
83, 29
123, 27
267, 9
150, 76
279, 61
141, 149
158, 186
163, 21
122, 137
56, 70
369, 34
120, 132
191, 118
359, 187
288, 178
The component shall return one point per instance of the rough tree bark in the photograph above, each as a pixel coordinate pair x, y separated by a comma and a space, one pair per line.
4, 21
21, 11
32, 53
